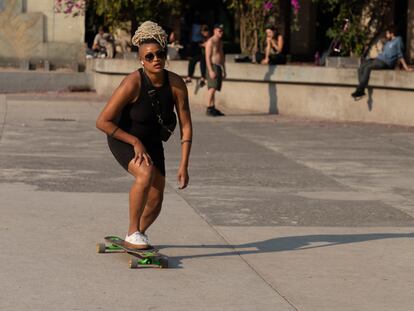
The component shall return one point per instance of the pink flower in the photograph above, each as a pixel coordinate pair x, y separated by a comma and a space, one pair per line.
268, 6
296, 6
73, 7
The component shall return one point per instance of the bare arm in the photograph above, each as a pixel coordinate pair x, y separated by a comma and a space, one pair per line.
404, 64
223, 57
182, 107
95, 45
126, 92
209, 52
279, 46
265, 60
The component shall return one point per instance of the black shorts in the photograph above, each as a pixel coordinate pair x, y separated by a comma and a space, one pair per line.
124, 152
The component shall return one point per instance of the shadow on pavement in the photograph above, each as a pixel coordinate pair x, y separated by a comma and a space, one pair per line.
370, 101
272, 91
293, 243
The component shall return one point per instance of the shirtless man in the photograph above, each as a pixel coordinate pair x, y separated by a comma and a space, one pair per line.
216, 70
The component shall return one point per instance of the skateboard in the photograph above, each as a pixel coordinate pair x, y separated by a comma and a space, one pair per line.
140, 258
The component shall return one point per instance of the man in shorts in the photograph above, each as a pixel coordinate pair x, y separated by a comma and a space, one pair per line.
216, 69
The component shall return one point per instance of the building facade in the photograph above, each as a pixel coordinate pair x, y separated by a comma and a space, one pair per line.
32, 30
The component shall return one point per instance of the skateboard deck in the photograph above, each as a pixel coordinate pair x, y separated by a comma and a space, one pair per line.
140, 257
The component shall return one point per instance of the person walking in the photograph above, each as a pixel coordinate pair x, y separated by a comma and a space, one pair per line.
390, 56
199, 57
141, 99
215, 60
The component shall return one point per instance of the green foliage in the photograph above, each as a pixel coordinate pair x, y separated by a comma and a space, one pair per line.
366, 22
254, 15
116, 12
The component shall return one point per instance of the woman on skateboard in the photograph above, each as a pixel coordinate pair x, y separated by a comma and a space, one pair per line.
136, 139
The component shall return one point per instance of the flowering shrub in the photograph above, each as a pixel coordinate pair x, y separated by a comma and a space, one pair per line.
70, 7
254, 16
366, 19
295, 6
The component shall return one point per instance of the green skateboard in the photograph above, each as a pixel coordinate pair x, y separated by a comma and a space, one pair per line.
139, 258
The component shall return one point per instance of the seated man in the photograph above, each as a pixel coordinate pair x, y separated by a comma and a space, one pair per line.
391, 54
103, 44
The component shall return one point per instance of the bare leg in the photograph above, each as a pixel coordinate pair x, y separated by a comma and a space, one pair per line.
154, 203
138, 194
211, 98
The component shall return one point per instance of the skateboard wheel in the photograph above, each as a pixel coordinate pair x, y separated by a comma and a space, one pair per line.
100, 248
163, 262
133, 263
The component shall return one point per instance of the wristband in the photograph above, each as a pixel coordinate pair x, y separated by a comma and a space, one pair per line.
114, 132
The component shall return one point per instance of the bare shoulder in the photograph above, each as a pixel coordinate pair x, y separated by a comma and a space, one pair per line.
180, 92
131, 85
177, 83
210, 41
132, 80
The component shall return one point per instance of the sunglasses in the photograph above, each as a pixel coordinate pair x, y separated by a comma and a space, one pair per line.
161, 54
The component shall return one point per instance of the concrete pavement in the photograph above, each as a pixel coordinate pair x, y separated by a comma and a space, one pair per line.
281, 214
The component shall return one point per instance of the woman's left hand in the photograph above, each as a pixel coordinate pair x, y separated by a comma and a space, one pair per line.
183, 178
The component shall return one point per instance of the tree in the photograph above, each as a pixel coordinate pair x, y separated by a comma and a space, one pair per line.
116, 12
367, 20
253, 17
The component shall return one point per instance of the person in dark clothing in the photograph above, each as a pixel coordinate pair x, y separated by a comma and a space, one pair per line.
135, 140
391, 55
200, 56
273, 54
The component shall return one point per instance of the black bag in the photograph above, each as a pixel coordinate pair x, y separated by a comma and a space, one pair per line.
166, 129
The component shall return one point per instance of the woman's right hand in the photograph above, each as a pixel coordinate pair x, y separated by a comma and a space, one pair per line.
141, 154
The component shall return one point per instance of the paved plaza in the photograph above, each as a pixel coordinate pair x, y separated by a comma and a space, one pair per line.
281, 214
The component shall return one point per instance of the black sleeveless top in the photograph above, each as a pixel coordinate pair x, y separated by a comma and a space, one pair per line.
139, 119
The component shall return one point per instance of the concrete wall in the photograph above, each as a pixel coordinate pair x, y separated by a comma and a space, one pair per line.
34, 81
58, 27
31, 30
290, 90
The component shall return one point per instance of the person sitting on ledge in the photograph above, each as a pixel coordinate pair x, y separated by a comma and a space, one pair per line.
274, 48
387, 59
103, 43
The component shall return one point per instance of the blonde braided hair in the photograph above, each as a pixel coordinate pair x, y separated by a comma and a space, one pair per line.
150, 31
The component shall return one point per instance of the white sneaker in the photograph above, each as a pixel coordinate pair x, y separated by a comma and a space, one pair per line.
145, 238
137, 239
